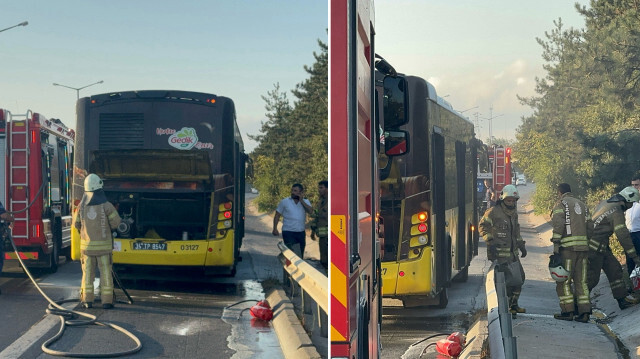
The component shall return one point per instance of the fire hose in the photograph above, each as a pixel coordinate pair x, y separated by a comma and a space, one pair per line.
67, 316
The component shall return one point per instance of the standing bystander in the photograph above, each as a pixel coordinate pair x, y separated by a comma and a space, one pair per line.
294, 211
633, 224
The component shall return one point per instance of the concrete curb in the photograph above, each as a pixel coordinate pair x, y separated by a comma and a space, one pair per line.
476, 336
293, 338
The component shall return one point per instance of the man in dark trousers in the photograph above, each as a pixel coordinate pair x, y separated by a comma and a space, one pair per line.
294, 211
320, 224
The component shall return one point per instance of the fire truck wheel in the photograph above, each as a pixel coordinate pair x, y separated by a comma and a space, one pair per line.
443, 298
54, 259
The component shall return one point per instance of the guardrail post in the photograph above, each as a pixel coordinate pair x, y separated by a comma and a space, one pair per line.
323, 322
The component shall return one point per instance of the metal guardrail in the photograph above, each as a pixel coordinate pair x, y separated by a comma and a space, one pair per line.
502, 343
313, 285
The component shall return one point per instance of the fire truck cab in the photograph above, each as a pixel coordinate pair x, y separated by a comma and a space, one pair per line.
38, 172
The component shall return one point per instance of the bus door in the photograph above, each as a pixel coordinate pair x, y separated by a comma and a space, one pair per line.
442, 242
460, 251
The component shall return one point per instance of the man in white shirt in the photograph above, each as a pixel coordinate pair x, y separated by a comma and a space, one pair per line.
633, 223
294, 211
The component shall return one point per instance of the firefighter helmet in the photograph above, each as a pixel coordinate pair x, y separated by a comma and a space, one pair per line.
92, 183
630, 194
509, 191
556, 269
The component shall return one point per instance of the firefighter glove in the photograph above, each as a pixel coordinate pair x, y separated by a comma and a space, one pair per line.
523, 250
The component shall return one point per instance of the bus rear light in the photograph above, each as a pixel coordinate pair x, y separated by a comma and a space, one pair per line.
419, 241
210, 249
419, 217
419, 229
211, 100
416, 251
227, 224
225, 206
227, 214
401, 273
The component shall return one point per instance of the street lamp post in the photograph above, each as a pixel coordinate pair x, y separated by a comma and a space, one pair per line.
472, 108
78, 88
24, 23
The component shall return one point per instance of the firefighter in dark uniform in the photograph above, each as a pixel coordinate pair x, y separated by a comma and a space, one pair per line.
571, 225
608, 218
500, 229
96, 220
320, 223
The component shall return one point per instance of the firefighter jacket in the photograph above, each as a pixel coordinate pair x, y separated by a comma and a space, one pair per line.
320, 223
609, 218
500, 230
96, 223
570, 218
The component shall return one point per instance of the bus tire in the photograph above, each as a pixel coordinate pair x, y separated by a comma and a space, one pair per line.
443, 298
462, 276
54, 258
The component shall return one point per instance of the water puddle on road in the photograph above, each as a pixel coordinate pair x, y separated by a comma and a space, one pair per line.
250, 337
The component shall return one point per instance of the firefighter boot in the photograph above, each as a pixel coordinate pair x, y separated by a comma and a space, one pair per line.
583, 318
626, 302
515, 309
568, 316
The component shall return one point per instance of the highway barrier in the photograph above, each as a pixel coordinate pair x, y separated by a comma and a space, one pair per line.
313, 288
502, 343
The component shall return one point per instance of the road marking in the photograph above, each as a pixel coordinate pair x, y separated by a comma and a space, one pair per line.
22, 344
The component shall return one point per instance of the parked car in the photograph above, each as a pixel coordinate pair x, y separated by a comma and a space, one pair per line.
521, 182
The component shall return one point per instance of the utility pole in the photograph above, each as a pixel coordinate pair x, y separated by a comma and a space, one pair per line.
490, 119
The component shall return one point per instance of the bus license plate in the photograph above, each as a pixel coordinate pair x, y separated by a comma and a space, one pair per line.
149, 246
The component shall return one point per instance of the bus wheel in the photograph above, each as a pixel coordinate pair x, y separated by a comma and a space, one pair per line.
54, 258
67, 253
443, 298
462, 276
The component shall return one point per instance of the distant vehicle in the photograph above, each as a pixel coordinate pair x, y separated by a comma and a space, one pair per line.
521, 181
253, 190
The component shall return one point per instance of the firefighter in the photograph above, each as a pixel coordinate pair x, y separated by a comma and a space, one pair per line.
608, 218
96, 220
500, 229
571, 221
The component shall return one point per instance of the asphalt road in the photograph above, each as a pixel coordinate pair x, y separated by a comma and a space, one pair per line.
173, 319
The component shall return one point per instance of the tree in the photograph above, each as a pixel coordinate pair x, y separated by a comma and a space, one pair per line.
293, 141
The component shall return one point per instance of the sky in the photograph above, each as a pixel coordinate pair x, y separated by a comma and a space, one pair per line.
475, 52
235, 48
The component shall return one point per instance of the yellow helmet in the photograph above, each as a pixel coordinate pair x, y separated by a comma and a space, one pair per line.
509, 191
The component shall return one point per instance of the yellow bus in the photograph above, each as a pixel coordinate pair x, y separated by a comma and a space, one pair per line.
428, 196
173, 164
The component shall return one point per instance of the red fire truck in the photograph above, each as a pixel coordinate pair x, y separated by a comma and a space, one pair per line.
38, 173
497, 168
356, 294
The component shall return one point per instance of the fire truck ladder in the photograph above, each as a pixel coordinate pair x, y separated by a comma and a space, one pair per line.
19, 174
500, 168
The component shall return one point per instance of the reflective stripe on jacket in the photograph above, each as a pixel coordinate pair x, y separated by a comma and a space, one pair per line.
569, 219
96, 224
499, 228
608, 218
